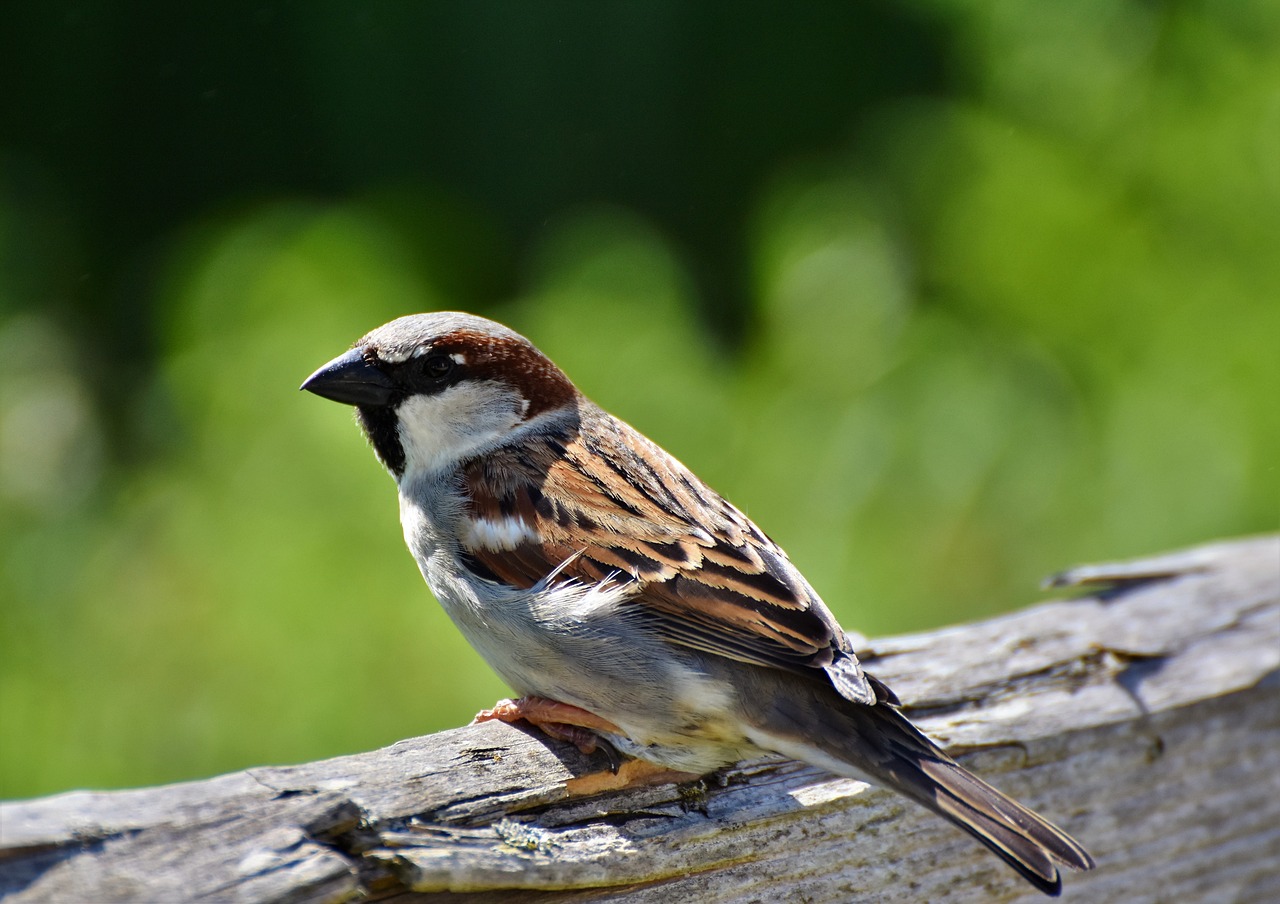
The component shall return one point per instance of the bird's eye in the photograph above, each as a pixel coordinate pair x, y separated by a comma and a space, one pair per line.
437, 367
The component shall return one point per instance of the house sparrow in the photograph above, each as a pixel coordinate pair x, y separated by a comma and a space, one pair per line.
620, 595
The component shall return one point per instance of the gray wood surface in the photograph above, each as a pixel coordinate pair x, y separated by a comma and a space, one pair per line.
1143, 717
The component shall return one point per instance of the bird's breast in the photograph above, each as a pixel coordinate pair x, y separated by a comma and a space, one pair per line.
574, 642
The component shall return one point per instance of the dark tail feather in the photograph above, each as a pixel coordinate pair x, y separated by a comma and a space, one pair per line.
1019, 837
913, 765
878, 742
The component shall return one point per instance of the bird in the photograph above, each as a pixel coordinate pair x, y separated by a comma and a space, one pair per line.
625, 601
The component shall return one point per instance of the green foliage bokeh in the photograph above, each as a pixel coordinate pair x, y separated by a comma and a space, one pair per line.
1029, 319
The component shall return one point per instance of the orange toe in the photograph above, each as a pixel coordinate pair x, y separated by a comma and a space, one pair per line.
503, 711
562, 721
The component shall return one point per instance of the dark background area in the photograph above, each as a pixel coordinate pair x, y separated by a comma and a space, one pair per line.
145, 113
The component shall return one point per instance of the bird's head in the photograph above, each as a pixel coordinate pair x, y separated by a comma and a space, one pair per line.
431, 390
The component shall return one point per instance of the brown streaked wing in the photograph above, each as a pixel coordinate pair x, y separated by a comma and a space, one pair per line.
627, 508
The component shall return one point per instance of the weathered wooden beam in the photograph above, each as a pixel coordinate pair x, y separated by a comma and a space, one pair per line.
1144, 719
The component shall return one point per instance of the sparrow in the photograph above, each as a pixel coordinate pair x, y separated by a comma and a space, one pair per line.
620, 596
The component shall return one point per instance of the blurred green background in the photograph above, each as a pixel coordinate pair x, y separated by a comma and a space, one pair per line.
945, 294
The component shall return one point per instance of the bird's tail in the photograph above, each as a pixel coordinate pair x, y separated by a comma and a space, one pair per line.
1020, 837
879, 743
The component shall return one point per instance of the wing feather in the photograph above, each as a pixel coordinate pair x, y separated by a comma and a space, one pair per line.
611, 503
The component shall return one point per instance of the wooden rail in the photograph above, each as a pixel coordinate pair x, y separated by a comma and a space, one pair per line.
1144, 718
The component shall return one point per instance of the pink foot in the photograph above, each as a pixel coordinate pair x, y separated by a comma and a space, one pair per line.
562, 721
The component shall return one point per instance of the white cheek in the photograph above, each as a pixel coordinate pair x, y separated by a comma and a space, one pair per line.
436, 431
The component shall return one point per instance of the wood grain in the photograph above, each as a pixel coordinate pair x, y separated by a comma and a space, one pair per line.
1143, 717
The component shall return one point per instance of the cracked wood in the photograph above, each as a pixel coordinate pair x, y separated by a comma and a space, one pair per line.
1143, 718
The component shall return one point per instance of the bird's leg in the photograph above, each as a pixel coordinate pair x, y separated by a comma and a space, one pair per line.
578, 726
562, 721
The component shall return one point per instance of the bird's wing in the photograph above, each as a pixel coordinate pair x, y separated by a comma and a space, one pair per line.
608, 503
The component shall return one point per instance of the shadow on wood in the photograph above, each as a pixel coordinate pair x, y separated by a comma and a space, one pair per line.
1144, 719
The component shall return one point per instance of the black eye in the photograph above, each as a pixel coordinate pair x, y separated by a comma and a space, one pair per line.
437, 367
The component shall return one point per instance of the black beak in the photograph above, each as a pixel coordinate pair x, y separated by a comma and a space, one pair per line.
352, 380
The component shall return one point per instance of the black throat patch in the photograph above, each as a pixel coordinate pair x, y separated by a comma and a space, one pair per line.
380, 425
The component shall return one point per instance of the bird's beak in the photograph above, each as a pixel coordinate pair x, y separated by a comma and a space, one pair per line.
352, 380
